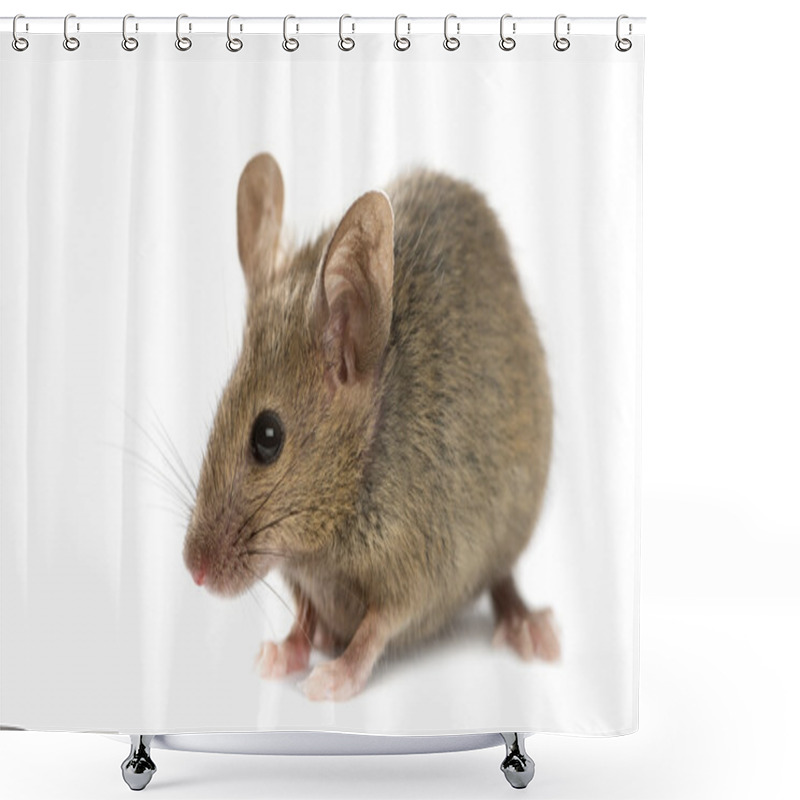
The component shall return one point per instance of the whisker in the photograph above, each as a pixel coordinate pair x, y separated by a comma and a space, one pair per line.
174, 450
166, 459
263, 612
153, 471
263, 502
275, 522
233, 484
274, 553
274, 591
167, 488
176, 512
163, 483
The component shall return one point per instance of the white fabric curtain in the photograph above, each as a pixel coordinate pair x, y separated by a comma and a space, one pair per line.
123, 305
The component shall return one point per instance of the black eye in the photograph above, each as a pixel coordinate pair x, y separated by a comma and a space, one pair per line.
266, 438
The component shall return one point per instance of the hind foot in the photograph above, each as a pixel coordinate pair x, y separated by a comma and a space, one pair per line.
532, 634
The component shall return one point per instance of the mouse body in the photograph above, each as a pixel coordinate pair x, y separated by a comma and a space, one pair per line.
385, 438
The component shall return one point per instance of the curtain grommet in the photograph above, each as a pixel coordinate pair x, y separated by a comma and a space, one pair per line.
129, 43
234, 44
183, 43
19, 43
401, 43
561, 43
346, 43
507, 42
451, 43
71, 43
289, 44
623, 44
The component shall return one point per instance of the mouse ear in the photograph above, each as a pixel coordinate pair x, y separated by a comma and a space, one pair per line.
259, 212
353, 290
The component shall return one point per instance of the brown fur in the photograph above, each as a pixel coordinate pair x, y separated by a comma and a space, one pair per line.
418, 424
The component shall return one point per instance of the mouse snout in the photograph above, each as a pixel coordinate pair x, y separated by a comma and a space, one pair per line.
196, 562
199, 574
214, 563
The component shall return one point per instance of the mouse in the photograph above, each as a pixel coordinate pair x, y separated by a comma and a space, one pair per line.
384, 439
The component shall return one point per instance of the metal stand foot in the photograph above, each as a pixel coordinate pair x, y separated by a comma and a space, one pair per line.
518, 766
138, 768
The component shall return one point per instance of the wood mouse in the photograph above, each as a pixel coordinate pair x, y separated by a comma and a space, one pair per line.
384, 439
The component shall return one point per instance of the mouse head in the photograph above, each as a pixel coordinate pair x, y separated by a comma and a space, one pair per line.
285, 457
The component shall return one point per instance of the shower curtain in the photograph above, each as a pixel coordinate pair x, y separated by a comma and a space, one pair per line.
181, 227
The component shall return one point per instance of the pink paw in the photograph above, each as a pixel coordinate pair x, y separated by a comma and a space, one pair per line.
332, 680
276, 661
531, 636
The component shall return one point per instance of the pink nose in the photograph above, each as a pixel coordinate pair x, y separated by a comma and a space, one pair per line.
199, 575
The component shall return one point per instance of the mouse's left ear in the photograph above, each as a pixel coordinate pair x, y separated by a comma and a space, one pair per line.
353, 291
259, 212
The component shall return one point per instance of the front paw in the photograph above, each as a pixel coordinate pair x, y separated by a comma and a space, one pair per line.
276, 661
333, 680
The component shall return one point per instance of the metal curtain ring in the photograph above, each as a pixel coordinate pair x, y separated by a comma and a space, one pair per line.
451, 42
623, 45
129, 43
233, 44
183, 43
401, 42
561, 43
71, 43
506, 42
345, 42
19, 43
289, 44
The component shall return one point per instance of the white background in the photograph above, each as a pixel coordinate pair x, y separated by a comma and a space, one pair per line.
721, 529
